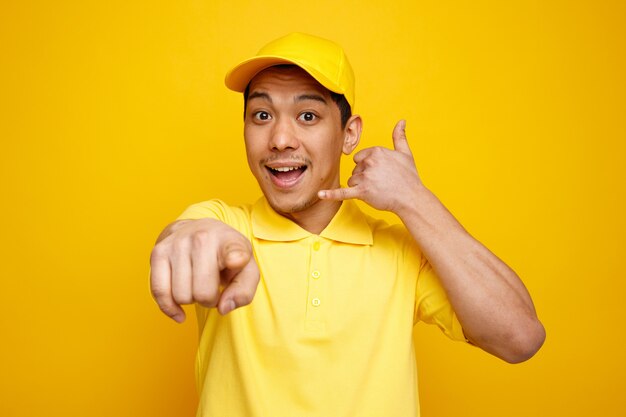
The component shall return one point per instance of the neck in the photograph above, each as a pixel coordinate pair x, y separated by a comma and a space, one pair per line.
314, 219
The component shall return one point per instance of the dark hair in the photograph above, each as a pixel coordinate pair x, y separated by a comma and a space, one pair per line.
344, 107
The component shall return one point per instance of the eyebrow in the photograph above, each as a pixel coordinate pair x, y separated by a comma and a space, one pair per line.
258, 94
302, 97
315, 97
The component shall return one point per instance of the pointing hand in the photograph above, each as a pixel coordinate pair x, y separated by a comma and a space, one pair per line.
203, 261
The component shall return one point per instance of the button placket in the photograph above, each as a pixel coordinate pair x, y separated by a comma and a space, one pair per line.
316, 298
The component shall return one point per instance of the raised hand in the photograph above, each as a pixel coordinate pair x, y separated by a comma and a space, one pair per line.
203, 261
383, 178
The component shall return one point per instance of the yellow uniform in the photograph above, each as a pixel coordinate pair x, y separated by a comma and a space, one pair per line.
329, 332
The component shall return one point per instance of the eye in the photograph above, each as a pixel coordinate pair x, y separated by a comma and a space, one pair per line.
262, 115
307, 116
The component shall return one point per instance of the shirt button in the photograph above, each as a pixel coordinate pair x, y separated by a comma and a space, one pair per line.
316, 302
315, 274
316, 246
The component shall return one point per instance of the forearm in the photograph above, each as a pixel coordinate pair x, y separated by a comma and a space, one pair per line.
489, 299
491, 302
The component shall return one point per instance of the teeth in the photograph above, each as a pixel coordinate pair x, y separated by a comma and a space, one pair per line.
285, 169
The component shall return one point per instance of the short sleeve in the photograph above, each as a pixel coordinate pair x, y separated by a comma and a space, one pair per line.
432, 304
237, 217
215, 209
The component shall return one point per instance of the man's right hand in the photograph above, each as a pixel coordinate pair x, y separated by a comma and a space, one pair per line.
202, 261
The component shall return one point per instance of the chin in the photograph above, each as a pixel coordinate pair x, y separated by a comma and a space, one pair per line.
288, 205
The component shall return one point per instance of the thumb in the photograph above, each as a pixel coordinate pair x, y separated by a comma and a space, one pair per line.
241, 288
400, 142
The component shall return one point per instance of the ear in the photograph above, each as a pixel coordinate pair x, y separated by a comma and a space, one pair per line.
352, 134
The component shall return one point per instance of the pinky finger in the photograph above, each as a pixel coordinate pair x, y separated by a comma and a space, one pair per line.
339, 194
161, 289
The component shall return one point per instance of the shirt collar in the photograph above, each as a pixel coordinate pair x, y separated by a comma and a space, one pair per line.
349, 225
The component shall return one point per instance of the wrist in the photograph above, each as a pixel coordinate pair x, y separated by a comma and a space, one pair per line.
413, 201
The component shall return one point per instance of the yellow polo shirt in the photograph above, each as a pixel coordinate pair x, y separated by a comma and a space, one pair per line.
329, 332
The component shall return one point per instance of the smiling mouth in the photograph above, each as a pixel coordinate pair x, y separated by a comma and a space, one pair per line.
286, 176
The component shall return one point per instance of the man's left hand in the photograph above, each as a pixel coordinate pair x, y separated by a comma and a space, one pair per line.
383, 178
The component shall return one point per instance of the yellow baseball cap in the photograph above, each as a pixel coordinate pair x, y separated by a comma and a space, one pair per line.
322, 59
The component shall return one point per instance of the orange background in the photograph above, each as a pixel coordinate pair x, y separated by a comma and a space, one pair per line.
114, 118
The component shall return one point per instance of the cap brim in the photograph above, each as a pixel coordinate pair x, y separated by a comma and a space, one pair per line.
237, 79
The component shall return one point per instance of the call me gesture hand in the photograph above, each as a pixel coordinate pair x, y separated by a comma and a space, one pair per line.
382, 177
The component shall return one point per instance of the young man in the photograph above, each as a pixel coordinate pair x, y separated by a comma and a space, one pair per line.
306, 306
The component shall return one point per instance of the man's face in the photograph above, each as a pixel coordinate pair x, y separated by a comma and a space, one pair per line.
294, 138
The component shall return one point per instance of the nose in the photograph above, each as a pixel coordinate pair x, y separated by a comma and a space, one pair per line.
283, 136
